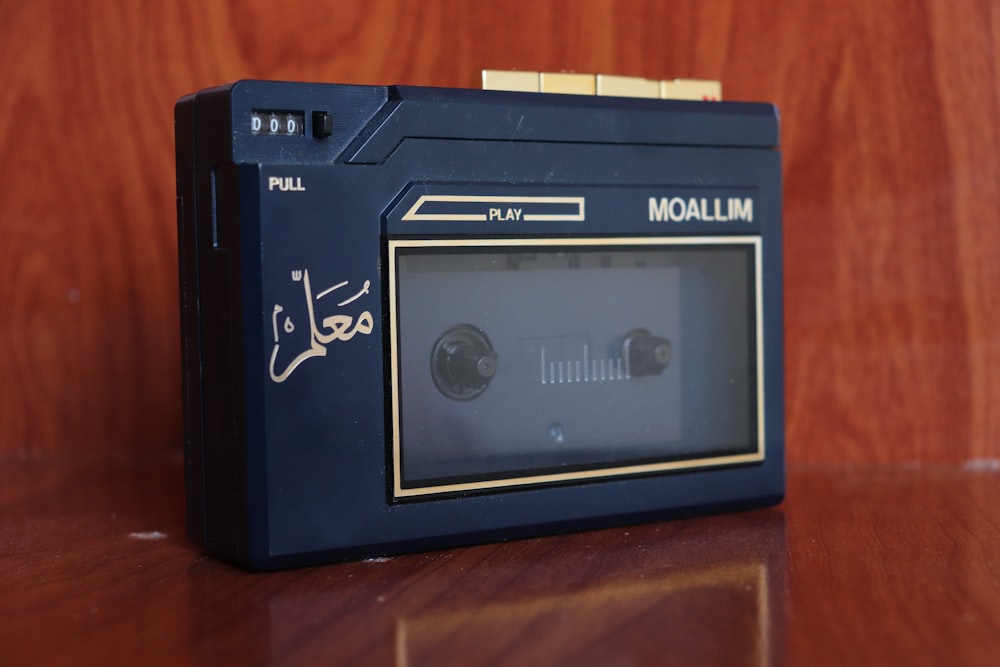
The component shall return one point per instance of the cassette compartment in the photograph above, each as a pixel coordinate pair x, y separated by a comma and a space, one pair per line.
538, 361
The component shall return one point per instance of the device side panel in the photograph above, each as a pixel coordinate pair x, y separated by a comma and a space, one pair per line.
216, 363
194, 469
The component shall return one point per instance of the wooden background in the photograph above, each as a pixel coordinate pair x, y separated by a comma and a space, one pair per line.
891, 141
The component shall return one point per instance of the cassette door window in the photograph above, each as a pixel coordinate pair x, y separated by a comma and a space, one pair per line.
540, 361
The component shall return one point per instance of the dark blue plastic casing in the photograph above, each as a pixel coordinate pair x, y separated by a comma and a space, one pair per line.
286, 298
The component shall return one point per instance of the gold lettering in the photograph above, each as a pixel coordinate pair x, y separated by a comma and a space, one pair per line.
335, 327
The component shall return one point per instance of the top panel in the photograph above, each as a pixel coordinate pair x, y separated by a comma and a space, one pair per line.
366, 124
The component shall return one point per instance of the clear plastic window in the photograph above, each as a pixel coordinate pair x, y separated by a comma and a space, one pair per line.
560, 361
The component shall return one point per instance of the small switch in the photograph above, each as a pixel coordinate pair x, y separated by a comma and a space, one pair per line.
322, 124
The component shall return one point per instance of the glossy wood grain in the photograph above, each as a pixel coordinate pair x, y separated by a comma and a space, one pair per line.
891, 131
861, 565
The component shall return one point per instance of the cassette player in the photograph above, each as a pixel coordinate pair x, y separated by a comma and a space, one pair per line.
414, 318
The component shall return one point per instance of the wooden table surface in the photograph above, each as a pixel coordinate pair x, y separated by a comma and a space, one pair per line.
860, 565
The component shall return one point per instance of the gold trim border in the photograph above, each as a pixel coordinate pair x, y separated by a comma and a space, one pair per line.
413, 214
614, 471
